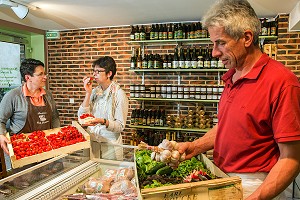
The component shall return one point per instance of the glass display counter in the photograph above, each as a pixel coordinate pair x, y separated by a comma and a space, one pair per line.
61, 175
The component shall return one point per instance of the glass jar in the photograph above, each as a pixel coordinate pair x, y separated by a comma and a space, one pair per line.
186, 92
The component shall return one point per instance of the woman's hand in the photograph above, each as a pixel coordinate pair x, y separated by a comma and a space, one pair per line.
87, 82
3, 143
94, 122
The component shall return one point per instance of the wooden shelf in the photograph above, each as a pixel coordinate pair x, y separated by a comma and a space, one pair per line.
178, 70
199, 40
171, 129
176, 100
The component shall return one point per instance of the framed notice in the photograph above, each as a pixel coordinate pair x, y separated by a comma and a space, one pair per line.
10, 58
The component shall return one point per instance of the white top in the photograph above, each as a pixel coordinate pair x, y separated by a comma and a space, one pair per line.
111, 104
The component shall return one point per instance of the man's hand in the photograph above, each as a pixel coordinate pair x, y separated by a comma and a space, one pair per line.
188, 148
3, 143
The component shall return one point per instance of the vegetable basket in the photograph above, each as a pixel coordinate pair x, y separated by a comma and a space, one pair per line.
20, 162
223, 188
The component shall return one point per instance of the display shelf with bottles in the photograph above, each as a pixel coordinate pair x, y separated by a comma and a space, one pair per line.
186, 55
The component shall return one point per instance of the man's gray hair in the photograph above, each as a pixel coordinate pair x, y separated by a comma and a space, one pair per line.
235, 16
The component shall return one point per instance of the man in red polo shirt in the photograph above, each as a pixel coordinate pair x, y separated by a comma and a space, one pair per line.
258, 132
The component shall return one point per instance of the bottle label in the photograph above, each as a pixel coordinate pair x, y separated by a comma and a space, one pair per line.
170, 35
142, 36
132, 37
165, 65
214, 64
132, 65
181, 64
220, 64
200, 64
137, 36
188, 64
207, 64
194, 64
175, 64
144, 64
264, 31
152, 35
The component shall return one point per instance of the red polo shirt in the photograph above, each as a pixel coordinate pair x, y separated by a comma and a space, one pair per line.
255, 113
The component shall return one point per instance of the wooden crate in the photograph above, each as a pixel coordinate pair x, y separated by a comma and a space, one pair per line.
224, 188
50, 154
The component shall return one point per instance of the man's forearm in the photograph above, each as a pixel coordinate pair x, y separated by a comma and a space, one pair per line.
207, 141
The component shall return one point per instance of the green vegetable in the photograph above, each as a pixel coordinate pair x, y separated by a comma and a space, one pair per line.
156, 184
164, 170
156, 167
187, 167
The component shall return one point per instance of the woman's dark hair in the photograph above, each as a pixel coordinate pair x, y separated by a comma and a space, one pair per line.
28, 67
107, 63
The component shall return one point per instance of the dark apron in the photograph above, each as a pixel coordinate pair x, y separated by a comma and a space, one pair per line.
38, 117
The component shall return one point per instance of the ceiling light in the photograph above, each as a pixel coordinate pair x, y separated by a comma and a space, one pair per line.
20, 10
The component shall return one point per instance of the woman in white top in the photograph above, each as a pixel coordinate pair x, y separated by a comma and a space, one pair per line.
108, 103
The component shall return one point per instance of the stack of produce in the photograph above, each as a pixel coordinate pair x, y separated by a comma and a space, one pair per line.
114, 184
157, 171
37, 142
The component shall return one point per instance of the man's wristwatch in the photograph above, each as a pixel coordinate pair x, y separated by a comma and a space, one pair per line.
104, 122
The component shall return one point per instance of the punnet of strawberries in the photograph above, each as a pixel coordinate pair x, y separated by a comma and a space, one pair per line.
37, 142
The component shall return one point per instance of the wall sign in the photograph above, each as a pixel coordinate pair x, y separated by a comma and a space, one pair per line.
9, 65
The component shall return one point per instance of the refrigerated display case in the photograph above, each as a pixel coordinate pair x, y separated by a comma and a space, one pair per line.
62, 175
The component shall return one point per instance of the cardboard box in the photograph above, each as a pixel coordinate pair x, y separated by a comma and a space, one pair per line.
49, 154
224, 188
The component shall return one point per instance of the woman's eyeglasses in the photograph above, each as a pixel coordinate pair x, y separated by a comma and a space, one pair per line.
96, 71
42, 74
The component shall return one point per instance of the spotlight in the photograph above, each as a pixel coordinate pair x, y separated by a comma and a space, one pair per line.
20, 10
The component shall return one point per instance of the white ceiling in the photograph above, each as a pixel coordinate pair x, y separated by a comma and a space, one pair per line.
76, 14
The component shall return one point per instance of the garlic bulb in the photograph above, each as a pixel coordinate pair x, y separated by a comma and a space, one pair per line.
166, 152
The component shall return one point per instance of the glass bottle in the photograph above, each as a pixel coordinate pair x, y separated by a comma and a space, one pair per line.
175, 63
149, 116
132, 33
165, 61
145, 61
139, 60
137, 34
132, 119
200, 59
145, 116
160, 33
192, 31
207, 59
181, 59
180, 31
136, 119
157, 118
194, 62
133, 59
141, 115
170, 32
152, 32
156, 32
142, 33
214, 60
150, 61
188, 59
165, 32
162, 120
170, 60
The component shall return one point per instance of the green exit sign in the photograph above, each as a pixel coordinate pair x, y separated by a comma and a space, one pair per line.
52, 35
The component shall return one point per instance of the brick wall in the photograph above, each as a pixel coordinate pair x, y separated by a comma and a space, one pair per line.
70, 59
